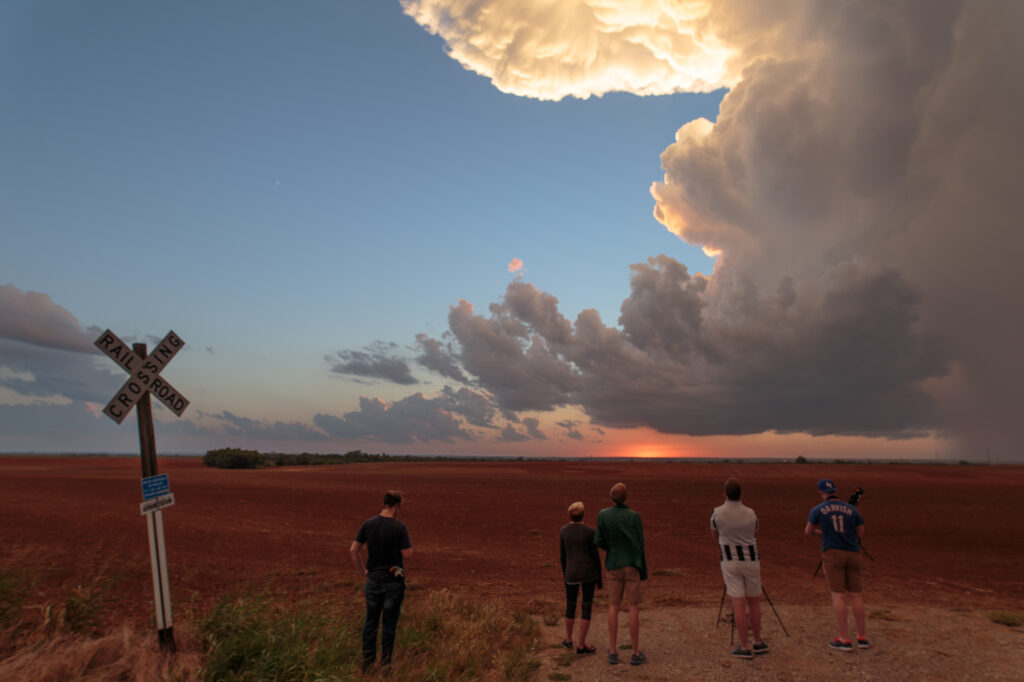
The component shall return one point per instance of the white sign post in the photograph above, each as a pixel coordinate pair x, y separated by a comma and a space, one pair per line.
144, 378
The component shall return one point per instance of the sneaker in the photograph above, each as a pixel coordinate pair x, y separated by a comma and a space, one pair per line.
566, 645
761, 648
863, 643
740, 652
840, 645
637, 659
587, 649
613, 659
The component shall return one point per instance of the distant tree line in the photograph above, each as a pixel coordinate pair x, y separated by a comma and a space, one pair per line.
236, 458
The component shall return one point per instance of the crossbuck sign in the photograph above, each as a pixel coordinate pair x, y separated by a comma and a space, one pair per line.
145, 374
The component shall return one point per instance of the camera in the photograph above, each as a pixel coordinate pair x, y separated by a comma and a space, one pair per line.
856, 495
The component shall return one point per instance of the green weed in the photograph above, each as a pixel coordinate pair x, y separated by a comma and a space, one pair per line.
1007, 618
440, 637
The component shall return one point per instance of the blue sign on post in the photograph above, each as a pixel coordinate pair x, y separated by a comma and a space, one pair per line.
155, 486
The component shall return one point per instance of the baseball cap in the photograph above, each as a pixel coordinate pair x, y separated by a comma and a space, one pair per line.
826, 485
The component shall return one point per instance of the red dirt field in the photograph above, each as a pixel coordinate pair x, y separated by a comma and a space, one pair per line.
947, 535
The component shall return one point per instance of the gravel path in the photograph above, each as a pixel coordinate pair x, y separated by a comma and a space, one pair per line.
908, 642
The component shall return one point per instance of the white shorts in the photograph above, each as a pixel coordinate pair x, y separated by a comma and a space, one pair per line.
742, 578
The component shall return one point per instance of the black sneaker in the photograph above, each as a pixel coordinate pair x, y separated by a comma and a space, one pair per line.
740, 652
566, 645
863, 643
840, 645
761, 648
637, 659
583, 650
613, 659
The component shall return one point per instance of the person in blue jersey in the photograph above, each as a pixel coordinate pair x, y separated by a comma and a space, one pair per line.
841, 527
387, 542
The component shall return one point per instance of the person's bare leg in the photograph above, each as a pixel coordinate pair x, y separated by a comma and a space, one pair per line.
613, 629
754, 605
584, 627
857, 604
568, 629
839, 605
739, 617
634, 628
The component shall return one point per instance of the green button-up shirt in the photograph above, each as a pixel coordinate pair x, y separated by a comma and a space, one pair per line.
621, 534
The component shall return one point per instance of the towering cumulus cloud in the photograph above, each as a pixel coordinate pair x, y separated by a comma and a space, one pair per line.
550, 49
859, 187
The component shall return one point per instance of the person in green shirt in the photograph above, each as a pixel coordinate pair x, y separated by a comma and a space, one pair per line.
620, 534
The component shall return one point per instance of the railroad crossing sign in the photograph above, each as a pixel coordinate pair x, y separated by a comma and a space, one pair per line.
145, 374
144, 378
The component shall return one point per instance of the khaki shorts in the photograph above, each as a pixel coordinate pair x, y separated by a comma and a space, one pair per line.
624, 587
742, 578
842, 570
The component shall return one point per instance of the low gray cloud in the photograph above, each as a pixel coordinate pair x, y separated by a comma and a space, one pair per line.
571, 431
437, 356
243, 427
378, 361
510, 435
40, 372
33, 318
414, 418
532, 425
46, 353
477, 408
702, 357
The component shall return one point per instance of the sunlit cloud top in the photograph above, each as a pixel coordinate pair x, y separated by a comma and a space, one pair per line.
550, 49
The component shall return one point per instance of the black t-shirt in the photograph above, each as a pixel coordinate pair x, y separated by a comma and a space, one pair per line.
385, 537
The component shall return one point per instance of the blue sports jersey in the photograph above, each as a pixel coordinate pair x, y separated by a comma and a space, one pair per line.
838, 521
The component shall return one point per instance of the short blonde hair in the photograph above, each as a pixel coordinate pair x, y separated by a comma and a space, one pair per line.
618, 493
576, 511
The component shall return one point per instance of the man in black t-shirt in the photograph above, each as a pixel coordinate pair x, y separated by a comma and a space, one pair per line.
387, 542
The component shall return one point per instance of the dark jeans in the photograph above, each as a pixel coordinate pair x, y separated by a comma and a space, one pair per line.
382, 598
571, 593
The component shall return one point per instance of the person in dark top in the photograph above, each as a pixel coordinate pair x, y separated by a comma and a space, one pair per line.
388, 545
581, 569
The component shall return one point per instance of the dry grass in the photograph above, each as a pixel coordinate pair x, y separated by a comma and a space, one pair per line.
124, 654
258, 637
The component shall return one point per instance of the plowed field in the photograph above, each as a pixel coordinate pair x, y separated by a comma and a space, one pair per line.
946, 535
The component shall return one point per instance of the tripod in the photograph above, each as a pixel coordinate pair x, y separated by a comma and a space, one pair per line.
732, 628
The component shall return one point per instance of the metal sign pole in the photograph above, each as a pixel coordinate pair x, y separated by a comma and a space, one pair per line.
155, 524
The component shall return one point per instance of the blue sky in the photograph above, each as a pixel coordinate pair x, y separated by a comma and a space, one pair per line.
295, 188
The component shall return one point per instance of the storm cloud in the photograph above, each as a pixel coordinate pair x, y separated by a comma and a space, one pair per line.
858, 187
